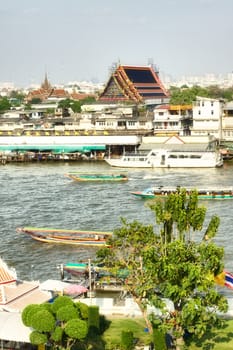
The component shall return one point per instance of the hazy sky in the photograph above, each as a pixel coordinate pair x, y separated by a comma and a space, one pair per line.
75, 40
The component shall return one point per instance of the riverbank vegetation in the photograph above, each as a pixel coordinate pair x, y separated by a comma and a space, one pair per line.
220, 339
176, 261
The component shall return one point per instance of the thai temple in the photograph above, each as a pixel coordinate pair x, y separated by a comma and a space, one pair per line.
135, 84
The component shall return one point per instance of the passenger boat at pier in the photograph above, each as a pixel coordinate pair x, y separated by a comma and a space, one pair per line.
208, 194
65, 236
97, 177
168, 158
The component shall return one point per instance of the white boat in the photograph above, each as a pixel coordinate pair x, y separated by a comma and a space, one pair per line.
169, 158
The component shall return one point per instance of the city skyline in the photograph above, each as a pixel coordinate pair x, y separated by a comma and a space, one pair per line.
80, 41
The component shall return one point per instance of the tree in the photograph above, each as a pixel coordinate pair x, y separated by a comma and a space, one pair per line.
130, 245
35, 101
186, 95
76, 106
65, 105
61, 324
177, 262
4, 104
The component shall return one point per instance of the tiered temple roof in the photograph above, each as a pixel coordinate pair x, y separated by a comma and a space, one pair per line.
133, 83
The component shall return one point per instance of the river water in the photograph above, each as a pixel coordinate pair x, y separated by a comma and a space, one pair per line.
38, 194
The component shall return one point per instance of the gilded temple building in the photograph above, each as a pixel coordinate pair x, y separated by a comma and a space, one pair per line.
136, 84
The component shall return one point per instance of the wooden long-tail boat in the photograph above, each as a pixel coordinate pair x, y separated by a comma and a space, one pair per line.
66, 236
97, 177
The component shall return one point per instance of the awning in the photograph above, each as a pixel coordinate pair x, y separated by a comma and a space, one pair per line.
53, 148
54, 285
12, 327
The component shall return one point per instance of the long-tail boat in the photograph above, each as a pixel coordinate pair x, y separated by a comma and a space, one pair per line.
97, 177
66, 236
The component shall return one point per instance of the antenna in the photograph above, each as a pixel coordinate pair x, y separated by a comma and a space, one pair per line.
153, 65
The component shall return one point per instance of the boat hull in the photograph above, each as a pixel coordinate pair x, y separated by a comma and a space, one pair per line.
68, 237
97, 177
211, 194
168, 159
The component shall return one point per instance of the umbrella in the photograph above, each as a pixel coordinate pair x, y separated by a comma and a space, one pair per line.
75, 289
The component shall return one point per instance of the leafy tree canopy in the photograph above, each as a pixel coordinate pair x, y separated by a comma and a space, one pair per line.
35, 101
185, 95
4, 104
59, 324
177, 259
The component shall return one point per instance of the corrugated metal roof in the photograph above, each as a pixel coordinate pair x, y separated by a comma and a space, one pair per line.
53, 148
175, 147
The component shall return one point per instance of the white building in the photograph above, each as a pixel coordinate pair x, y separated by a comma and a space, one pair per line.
227, 122
172, 119
207, 117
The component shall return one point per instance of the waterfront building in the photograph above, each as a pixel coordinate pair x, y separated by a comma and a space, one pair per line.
227, 122
171, 119
207, 117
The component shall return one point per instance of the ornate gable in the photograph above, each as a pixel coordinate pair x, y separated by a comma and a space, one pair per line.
133, 83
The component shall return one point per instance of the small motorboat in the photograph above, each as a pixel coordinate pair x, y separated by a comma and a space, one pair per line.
211, 193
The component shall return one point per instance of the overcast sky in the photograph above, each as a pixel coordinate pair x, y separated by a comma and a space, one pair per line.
75, 40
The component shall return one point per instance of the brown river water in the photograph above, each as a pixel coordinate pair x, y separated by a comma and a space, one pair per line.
40, 195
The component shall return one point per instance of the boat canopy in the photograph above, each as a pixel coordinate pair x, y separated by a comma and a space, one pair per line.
53, 148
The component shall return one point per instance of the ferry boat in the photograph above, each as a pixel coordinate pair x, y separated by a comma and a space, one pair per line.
168, 158
160, 192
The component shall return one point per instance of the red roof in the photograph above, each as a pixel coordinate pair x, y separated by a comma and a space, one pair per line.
133, 83
7, 275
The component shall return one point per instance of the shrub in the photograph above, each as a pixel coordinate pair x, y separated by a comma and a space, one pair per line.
67, 313
37, 338
76, 329
127, 340
43, 321
61, 301
83, 310
93, 320
28, 312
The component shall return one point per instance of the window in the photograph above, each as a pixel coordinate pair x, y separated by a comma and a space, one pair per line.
196, 156
131, 123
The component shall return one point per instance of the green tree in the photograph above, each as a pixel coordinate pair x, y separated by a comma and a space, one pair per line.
35, 101
129, 246
177, 262
59, 324
65, 105
76, 106
186, 95
4, 104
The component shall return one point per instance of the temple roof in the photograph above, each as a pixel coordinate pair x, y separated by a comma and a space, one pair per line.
133, 83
